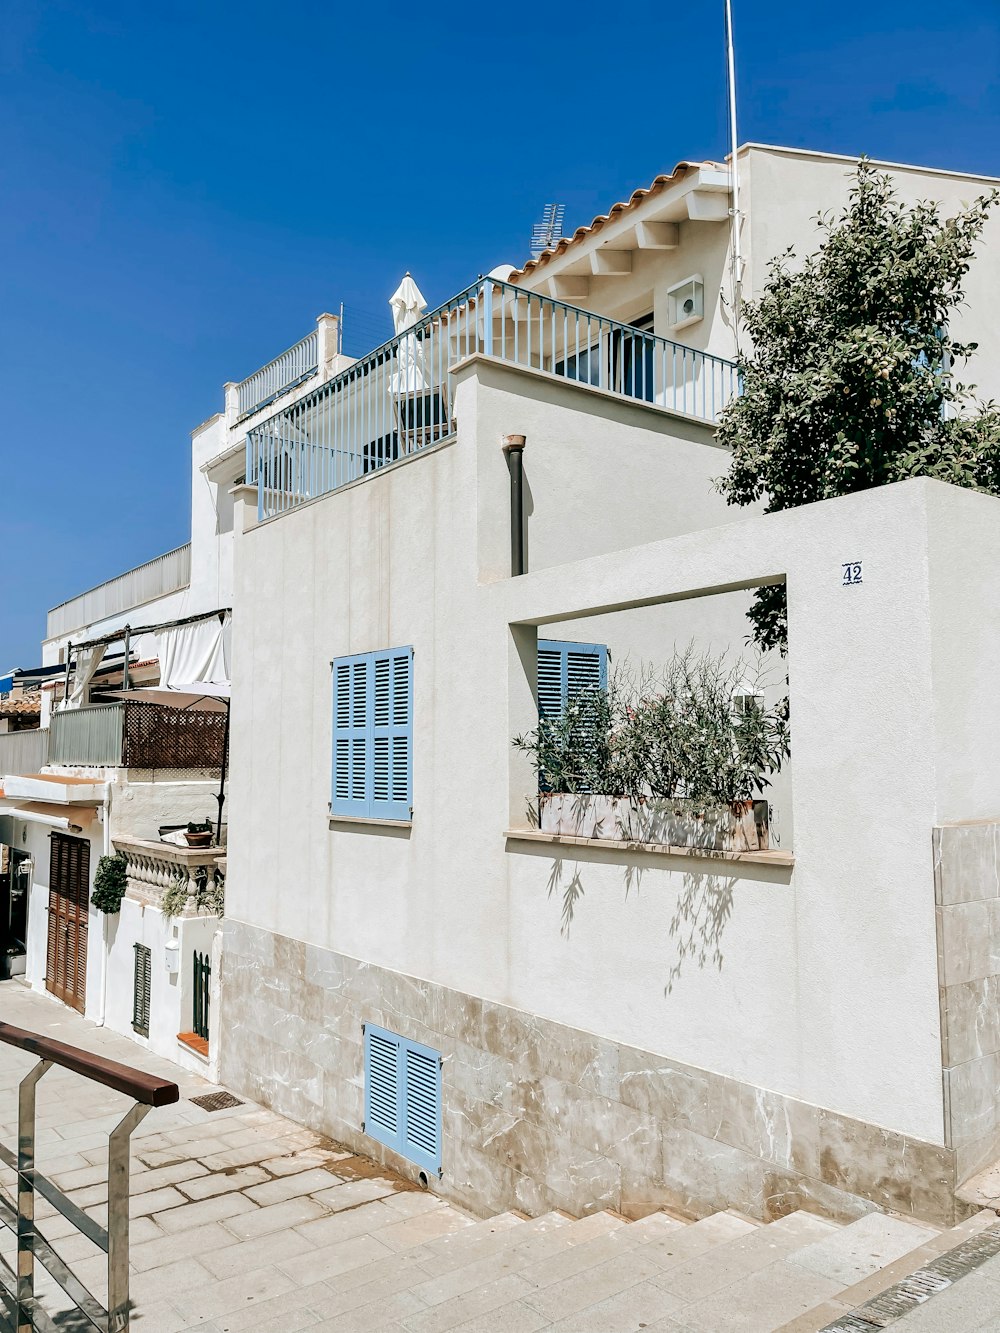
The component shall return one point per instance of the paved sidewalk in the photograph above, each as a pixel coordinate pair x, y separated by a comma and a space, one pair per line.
240, 1218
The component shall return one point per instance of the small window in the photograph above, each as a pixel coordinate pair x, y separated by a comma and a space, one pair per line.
373, 735
140, 990
403, 1096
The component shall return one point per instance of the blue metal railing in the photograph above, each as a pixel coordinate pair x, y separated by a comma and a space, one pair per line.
279, 375
399, 399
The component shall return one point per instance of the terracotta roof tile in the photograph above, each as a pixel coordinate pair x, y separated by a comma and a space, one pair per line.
656, 186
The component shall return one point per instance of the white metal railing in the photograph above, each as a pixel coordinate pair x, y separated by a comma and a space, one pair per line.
166, 573
279, 375
398, 399
24, 751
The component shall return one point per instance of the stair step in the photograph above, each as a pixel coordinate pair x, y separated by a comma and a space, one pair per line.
862, 1248
469, 1246
699, 1277
851, 1297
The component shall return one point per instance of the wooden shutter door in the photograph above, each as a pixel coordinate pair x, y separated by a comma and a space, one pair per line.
69, 884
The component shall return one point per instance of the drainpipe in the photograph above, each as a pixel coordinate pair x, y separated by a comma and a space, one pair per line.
513, 447
104, 928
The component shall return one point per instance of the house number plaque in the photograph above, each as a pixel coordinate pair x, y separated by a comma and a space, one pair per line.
852, 573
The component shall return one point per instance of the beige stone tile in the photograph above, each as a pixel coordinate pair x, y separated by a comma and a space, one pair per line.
199, 1241
236, 1293
290, 1187
368, 1217
595, 1284
219, 1209
515, 1318
761, 1301
858, 1250
327, 1261
249, 1255
458, 1310
167, 1281
222, 1182
634, 1308
277, 1217
352, 1192
403, 1233
966, 861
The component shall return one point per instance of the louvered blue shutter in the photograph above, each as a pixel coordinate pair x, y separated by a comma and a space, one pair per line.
352, 712
403, 1096
565, 670
392, 734
382, 1090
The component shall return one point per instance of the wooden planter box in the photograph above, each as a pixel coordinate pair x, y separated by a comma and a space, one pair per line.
740, 827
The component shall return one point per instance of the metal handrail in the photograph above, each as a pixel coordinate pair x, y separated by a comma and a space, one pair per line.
17, 1286
399, 398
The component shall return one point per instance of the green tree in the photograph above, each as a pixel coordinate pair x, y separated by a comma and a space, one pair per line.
850, 381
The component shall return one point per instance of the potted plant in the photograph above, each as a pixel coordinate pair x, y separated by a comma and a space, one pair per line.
198, 835
679, 757
110, 883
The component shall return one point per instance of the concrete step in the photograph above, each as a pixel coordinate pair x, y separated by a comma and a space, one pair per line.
883, 1278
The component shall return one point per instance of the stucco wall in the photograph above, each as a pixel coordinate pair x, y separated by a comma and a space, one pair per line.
789, 189
820, 983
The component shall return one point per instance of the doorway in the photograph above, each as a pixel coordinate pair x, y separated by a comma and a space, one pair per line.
69, 883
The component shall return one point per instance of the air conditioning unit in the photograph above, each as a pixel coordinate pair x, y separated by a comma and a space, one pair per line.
686, 302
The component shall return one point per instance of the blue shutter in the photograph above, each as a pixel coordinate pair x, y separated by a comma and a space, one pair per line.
565, 670
352, 775
392, 734
403, 1096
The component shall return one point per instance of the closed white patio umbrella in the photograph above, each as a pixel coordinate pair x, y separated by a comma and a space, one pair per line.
408, 305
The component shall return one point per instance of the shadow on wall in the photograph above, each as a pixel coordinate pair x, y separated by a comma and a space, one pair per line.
696, 928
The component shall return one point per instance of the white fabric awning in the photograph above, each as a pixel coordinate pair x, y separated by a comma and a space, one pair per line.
198, 652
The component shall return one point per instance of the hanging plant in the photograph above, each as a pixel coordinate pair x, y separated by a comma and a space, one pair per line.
110, 883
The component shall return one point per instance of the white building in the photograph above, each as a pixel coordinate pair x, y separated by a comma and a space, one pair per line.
409, 963
112, 774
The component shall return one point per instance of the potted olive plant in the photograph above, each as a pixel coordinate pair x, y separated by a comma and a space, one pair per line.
680, 756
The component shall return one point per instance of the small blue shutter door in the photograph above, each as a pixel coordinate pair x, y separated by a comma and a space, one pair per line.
403, 1096
352, 777
392, 734
422, 1106
383, 1093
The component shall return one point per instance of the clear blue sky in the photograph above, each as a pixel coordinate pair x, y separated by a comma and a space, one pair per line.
187, 184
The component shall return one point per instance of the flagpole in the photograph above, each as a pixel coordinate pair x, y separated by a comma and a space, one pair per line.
737, 216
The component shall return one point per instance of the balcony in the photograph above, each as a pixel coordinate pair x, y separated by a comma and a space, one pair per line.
399, 399
132, 734
24, 751
164, 574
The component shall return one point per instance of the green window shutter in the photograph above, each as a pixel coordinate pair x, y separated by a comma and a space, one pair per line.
140, 989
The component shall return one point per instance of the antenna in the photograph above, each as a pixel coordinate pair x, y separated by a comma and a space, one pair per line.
544, 234
736, 215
